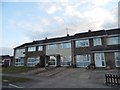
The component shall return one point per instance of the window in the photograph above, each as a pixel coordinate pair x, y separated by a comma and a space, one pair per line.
40, 48
83, 60
66, 45
117, 59
113, 40
97, 41
20, 53
19, 61
82, 43
51, 46
66, 60
30, 49
32, 61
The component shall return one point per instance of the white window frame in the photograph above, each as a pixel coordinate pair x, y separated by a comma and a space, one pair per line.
31, 49
97, 41
51, 46
117, 55
79, 43
19, 62
66, 45
85, 58
65, 59
19, 53
40, 48
113, 40
31, 62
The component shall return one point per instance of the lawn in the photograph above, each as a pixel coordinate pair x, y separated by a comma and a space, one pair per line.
20, 69
14, 79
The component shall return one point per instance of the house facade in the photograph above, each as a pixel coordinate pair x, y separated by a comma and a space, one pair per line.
80, 50
6, 60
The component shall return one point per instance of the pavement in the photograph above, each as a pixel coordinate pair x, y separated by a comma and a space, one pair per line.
66, 78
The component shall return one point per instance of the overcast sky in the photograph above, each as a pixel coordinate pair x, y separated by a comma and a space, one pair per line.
27, 20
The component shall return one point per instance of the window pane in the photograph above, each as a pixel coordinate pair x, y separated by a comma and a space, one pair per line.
66, 60
113, 40
82, 43
20, 53
83, 60
31, 49
117, 59
66, 45
52, 46
97, 41
40, 48
32, 61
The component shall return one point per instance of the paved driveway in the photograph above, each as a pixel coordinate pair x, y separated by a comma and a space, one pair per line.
69, 78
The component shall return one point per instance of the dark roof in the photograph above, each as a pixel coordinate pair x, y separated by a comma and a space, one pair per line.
113, 31
5, 57
78, 35
82, 35
59, 39
98, 33
46, 41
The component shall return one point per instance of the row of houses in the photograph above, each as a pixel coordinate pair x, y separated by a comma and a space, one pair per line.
100, 48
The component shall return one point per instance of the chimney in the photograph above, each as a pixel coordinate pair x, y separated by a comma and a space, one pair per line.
89, 31
46, 38
67, 35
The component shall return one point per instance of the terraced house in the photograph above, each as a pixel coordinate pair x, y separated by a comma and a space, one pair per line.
80, 50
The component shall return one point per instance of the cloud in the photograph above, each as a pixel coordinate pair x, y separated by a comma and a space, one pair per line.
100, 2
25, 0
58, 19
6, 51
53, 9
68, 13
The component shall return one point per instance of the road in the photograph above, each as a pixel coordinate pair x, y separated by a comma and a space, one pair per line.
67, 78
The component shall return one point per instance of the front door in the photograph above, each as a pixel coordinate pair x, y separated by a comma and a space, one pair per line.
7, 62
99, 59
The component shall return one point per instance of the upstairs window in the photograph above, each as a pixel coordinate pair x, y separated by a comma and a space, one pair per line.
20, 53
113, 40
66, 45
40, 48
51, 46
82, 43
97, 41
30, 49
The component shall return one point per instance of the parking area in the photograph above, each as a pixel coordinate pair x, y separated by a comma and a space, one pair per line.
69, 78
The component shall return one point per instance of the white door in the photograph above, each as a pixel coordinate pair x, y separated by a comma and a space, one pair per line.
99, 60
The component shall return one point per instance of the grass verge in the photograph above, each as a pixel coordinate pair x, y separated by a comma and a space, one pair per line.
14, 79
20, 69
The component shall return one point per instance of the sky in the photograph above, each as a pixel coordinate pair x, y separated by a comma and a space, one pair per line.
23, 21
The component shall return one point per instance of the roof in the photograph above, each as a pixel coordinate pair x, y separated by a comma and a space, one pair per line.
5, 57
78, 35
113, 31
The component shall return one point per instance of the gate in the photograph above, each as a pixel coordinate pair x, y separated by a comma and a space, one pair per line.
112, 79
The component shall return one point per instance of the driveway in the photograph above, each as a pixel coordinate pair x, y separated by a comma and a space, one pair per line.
69, 78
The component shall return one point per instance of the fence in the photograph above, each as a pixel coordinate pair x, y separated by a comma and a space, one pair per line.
112, 79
